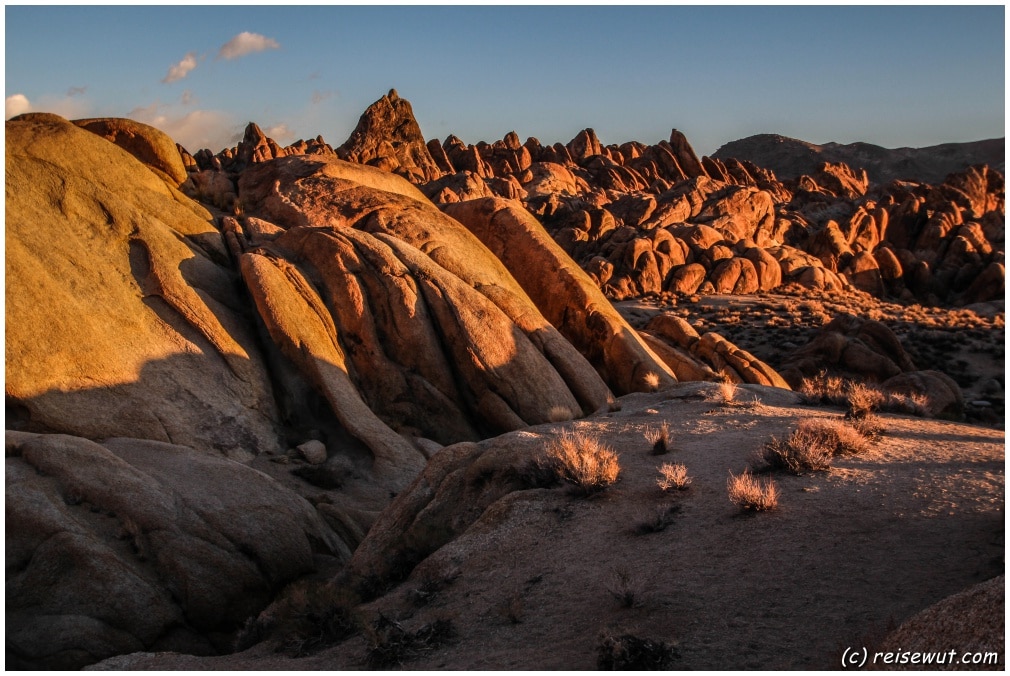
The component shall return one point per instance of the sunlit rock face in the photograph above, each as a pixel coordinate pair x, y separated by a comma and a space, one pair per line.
123, 314
430, 327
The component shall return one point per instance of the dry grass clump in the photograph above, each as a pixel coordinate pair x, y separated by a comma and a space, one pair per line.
752, 495
862, 400
583, 461
812, 445
651, 381
627, 652
659, 437
727, 392
673, 476
823, 389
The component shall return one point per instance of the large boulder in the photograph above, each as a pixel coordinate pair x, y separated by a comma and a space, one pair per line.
123, 318
135, 545
566, 296
151, 146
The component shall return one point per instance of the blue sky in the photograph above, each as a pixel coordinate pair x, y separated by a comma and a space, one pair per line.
894, 76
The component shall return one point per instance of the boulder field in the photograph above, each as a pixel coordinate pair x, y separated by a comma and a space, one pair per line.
221, 368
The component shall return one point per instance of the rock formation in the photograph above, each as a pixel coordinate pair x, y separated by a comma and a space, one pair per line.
221, 368
388, 137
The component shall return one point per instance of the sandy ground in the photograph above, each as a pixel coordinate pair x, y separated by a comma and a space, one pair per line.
847, 554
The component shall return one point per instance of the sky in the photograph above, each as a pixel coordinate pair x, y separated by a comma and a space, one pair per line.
893, 76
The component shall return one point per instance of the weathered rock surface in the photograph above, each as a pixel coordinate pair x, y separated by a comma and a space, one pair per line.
151, 146
388, 137
567, 296
137, 545
123, 317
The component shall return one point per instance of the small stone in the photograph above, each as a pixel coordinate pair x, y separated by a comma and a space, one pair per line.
313, 451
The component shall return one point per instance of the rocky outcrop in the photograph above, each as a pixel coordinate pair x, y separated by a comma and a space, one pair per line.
568, 298
388, 137
393, 286
151, 146
134, 545
861, 349
706, 357
123, 318
625, 208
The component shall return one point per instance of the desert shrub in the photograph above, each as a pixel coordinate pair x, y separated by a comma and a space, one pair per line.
823, 389
627, 652
752, 495
663, 517
659, 437
390, 645
869, 426
673, 477
583, 461
811, 446
862, 400
651, 381
725, 393
808, 448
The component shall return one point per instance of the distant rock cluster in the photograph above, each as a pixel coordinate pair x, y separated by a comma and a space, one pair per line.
174, 318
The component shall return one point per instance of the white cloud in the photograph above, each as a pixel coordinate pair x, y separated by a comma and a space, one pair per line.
246, 43
192, 130
181, 69
16, 104
279, 132
76, 91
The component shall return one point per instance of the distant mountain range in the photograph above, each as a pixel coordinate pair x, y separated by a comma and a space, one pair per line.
789, 157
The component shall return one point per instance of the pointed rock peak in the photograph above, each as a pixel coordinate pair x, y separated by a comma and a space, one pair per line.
388, 136
253, 133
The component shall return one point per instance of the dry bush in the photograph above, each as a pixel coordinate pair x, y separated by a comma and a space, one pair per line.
583, 461
862, 400
673, 477
651, 381
750, 494
627, 652
801, 452
727, 392
659, 437
823, 389
811, 446
869, 426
